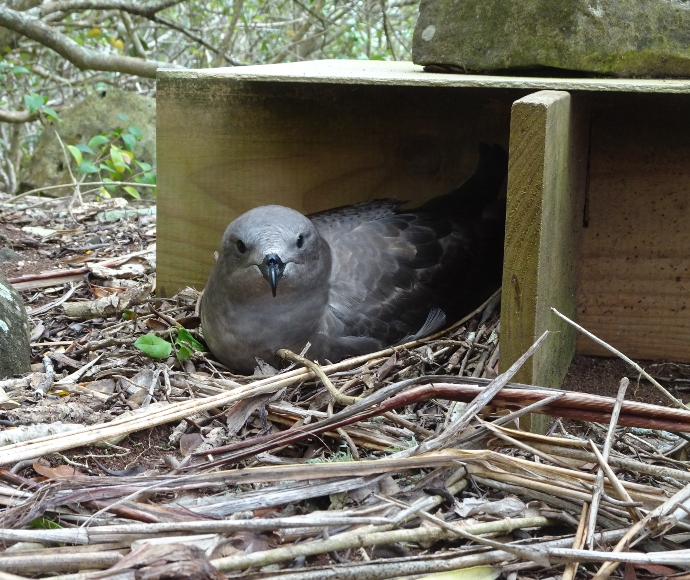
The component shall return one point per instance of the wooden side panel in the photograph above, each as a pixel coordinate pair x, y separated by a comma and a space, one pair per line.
226, 145
635, 266
546, 180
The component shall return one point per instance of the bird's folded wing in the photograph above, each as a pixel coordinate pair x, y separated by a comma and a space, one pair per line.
389, 274
337, 222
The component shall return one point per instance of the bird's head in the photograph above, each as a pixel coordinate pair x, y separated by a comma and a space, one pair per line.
273, 250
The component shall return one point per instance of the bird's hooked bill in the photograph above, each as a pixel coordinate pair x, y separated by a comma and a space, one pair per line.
272, 269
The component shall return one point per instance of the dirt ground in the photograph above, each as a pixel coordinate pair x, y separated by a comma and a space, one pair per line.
587, 374
602, 376
280, 430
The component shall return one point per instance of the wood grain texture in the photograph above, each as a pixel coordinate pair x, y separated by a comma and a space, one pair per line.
318, 135
401, 73
227, 145
634, 269
546, 180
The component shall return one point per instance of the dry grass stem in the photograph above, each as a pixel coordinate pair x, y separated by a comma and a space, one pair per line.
395, 464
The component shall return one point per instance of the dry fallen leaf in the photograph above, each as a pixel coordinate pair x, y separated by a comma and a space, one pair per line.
42, 467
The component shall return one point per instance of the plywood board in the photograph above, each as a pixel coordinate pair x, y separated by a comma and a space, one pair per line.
546, 180
227, 145
402, 73
635, 260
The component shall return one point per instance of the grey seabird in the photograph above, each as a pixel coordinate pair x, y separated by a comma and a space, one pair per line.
354, 279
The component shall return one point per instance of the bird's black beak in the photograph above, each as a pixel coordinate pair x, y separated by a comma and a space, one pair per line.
272, 269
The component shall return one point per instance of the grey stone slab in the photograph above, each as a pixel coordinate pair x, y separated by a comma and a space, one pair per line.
648, 38
15, 352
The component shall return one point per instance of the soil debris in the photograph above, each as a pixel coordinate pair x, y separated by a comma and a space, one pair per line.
398, 464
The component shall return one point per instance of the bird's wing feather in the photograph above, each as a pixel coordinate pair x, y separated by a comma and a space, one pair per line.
390, 273
336, 222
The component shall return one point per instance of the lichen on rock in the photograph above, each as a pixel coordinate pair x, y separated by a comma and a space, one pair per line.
15, 351
646, 38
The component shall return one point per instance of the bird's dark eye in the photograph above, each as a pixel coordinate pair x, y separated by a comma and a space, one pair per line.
241, 248
300, 241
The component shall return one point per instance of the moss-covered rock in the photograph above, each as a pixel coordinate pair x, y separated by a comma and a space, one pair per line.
15, 352
97, 113
649, 38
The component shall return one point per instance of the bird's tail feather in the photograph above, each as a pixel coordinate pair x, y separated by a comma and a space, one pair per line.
435, 320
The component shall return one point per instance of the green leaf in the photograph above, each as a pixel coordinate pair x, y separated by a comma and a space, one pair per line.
127, 314
97, 140
44, 524
122, 117
183, 352
85, 148
117, 159
104, 193
20, 70
153, 346
183, 335
107, 168
51, 114
75, 153
87, 167
143, 165
150, 177
136, 131
34, 102
130, 141
133, 192
4, 64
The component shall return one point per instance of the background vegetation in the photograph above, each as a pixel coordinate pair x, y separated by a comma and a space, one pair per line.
55, 52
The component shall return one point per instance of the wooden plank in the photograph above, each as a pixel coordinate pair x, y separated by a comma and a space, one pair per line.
634, 287
226, 145
546, 180
401, 73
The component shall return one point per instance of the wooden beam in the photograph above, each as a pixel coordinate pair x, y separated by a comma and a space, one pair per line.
634, 266
402, 73
545, 206
226, 146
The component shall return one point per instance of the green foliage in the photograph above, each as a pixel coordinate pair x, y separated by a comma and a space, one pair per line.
186, 344
183, 335
35, 102
155, 347
44, 524
128, 314
112, 156
38, 79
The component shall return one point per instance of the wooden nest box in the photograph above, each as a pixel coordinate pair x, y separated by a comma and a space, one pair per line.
598, 183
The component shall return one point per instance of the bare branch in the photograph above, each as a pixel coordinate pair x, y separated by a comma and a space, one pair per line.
191, 36
132, 33
391, 47
226, 43
139, 8
17, 116
297, 38
79, 56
